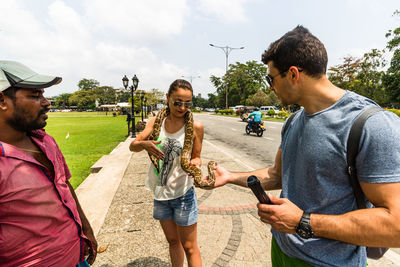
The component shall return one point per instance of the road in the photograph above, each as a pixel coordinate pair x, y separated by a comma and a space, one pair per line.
228, 134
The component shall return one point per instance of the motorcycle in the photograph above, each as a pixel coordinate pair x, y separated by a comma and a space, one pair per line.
258, 128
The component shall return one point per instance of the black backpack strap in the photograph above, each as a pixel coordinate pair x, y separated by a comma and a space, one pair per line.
352, 150
288, 122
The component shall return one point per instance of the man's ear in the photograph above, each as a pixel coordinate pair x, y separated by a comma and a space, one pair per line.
294, 73
3, 102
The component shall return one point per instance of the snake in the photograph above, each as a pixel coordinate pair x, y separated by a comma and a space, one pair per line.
194, 171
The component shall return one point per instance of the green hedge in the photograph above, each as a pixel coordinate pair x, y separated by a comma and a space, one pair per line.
271, 112
395, 111
283, 114
225, 111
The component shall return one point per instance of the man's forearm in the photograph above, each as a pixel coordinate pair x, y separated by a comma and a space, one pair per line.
365, 227
269, 178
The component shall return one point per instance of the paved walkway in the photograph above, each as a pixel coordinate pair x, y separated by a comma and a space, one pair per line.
229, 231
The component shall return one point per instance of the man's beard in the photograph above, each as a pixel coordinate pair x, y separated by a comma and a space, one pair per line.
20, 122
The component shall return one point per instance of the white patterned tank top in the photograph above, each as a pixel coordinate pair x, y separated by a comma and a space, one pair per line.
172, 181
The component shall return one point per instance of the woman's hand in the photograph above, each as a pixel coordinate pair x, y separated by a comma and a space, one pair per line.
152, 149
195, 162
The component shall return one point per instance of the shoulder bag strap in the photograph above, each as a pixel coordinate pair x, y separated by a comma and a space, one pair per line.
352, 150
289, 121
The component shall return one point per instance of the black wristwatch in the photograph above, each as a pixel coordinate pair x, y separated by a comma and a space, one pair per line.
304, 229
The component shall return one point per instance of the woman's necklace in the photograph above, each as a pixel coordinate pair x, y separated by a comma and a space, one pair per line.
30, 150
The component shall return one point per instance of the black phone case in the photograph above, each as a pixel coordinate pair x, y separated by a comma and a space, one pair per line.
254, 184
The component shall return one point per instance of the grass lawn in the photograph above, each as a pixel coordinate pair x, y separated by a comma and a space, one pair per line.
90, 137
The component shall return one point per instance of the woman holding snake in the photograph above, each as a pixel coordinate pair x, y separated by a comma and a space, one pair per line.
175, 203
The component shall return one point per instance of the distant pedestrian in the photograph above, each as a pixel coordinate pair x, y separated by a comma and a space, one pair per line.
41, 221
175, 203
316, 221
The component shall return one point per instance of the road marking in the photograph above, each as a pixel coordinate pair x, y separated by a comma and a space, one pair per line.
269, 138
233, 129
230, 155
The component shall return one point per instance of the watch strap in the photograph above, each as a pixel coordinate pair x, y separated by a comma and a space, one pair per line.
305, 218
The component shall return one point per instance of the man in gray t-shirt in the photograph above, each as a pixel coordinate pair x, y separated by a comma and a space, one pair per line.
316, 221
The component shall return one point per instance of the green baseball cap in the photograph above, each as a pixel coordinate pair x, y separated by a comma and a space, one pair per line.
16, 74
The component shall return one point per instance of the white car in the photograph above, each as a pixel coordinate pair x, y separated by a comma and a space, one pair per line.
265, 109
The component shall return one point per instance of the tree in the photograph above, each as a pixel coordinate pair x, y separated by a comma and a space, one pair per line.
392, 77
154, 97
262, 99
198, 101
211, 101
243, 80
344, 75
104, 94
88, 84
369, 77
361, 75
62, 101
83, 99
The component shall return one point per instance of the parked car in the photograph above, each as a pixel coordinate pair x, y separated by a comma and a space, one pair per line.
264, 109
236, 108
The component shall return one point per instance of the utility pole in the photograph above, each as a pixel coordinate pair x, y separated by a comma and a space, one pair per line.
227, 50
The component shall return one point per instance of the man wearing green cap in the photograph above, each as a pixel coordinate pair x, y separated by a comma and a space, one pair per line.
41, 222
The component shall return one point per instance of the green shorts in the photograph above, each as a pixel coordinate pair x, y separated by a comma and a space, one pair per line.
280, 259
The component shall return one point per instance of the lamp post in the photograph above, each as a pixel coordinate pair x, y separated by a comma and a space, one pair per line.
133, 87
145, 107
190, 78
227, 50
141, 104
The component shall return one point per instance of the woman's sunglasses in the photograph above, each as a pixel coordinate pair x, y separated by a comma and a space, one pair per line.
180, 103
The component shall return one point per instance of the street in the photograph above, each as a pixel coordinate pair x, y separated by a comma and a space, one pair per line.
229, 133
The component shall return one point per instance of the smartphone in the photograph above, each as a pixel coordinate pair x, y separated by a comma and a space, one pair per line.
255, 186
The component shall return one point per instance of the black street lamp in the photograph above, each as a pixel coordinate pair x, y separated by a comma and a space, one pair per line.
145, 107
133, 87
141, 100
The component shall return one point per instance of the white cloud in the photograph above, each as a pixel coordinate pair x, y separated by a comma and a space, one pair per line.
66, 42
228, 11
136, 19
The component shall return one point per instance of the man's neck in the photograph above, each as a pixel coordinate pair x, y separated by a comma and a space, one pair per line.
11, 136
319, 94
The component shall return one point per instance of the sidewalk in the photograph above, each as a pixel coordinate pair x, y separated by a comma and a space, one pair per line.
229, 231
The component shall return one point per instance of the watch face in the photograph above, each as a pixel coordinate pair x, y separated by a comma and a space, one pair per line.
304, 231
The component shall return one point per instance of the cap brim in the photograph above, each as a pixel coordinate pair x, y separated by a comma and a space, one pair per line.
38, 81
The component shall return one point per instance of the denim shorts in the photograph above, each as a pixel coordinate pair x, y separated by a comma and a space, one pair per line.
183, 210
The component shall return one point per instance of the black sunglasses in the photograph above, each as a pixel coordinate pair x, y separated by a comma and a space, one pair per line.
180, 103
270, 79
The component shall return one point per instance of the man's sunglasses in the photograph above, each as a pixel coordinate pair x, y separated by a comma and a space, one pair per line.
270, 79
180, 103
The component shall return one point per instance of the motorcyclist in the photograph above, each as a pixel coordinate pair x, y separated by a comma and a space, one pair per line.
257, 117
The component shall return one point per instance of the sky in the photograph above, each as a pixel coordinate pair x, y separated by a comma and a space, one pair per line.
163, 40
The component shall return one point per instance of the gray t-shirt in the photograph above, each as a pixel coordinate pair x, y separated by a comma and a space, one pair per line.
314, 173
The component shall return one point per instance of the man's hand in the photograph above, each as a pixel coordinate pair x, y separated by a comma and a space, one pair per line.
221, 176
92, 252
282, 215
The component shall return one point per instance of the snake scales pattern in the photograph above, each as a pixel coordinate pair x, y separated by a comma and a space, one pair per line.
186, 150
